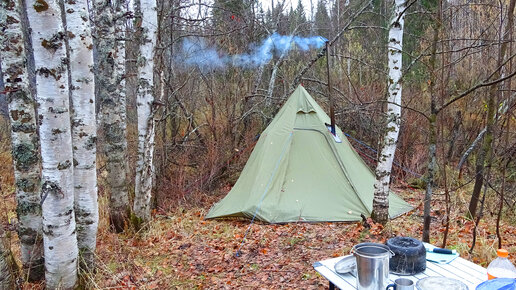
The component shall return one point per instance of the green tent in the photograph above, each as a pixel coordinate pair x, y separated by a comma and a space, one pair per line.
298, 171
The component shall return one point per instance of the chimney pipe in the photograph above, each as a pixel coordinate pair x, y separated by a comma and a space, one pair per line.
332, 110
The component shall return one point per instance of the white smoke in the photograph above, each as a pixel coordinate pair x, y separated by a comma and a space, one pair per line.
195, 52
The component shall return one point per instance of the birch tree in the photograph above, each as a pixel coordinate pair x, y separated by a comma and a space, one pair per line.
383, 169
50, 60
148, 22
82, 95
113, 113
24, 138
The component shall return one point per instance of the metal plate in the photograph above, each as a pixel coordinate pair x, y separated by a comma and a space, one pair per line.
432, 283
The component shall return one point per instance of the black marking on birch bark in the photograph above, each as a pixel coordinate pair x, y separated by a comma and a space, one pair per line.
64, 165
19, 95
48, 72
21, 115
40, 6
57, 131
57, 110
82, 213
11, 20
50, 187
54, 43
77, 122
90, 143
25, 128
68, 212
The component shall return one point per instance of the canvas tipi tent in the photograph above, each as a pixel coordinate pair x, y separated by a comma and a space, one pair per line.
298, 171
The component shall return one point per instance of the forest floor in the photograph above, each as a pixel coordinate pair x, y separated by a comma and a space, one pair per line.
181, 250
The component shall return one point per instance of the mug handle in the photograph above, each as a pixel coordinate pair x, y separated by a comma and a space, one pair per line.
391, 287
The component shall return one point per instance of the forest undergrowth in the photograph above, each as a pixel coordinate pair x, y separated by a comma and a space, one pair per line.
181, 250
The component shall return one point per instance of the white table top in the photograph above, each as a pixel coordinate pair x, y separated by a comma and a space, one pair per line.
469, 273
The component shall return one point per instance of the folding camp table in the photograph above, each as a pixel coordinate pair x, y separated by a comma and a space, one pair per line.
460, 269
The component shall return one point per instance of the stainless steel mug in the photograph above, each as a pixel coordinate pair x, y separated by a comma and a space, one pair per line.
401, 284
372, 265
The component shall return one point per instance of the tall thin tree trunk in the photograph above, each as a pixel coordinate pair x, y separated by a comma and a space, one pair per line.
507, 132
59, 236
84, 136
24, 139
383, 169
272, 80
486, 151
113, 115
432, 147
146, 126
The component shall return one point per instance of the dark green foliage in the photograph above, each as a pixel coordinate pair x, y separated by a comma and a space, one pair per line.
322, 20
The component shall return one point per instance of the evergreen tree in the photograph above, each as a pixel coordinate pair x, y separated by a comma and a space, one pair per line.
322, 20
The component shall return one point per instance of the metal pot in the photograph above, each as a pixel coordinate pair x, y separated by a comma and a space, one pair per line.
372, 265
410, 256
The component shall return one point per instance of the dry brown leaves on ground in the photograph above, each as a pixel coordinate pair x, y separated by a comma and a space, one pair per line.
181, 250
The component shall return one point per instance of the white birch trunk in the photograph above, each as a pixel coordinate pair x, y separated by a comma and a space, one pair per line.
84, 136
113, 114
50, 59
386, 157
272, 80
144, 166
121, 24
24, 139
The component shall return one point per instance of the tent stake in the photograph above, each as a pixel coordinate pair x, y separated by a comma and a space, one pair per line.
332, 110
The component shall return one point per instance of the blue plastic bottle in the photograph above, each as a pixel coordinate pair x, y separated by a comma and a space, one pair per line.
498, 284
